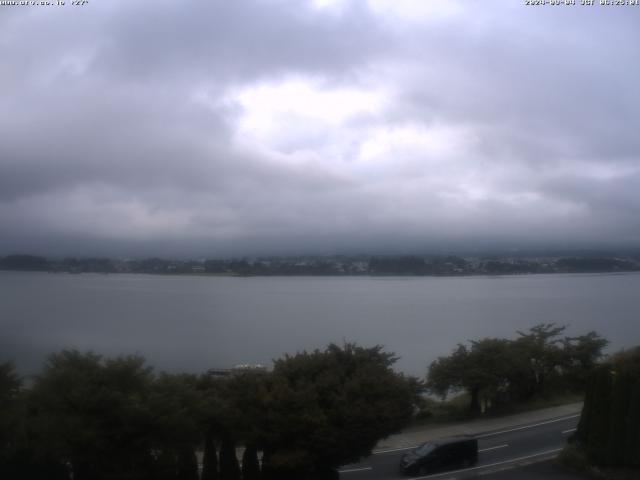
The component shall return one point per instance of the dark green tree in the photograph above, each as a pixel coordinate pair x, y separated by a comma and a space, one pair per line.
187, 464
483, 371
539, 354
176, 406
581, 355
220, 416
210, 457
250, 463
331, 407
497, 371
92, 414
235, 411
609, 428
20, 458
229, 467
11, 417
9, 390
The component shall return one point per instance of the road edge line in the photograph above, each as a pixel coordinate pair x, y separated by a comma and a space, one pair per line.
485, 435
504, 462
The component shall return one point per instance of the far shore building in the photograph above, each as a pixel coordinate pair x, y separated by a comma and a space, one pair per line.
237, 369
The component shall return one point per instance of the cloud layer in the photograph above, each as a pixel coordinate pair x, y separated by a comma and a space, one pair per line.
219, 128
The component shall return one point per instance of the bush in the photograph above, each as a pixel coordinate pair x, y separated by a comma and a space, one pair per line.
609, 428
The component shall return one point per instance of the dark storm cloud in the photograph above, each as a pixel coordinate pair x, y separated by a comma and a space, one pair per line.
266, 125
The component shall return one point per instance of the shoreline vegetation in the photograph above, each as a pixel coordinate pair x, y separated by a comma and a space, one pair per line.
88, 417
606, 444
338, 265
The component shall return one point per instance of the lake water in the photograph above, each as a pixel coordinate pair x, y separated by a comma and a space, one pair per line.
194, 323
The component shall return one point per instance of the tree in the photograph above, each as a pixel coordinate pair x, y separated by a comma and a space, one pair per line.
494, 370
10, 385
229, 467
446, 374
10, 415
250, 464
540, 353
482, 370
243, 407
234, 408
187, 464
609, 428
581, 355
92, 414
177, 407
210, 457
330, 407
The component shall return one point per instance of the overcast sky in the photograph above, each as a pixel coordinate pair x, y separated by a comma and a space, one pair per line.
211, 128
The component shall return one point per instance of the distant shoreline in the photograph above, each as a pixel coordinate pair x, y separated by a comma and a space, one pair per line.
332, 266
329, 275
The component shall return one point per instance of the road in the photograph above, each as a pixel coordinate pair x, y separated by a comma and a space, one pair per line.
498, 451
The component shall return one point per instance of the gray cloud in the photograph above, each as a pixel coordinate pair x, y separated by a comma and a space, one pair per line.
241, 127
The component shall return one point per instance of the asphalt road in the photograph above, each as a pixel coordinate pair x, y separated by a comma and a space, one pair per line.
545, 470
498, 451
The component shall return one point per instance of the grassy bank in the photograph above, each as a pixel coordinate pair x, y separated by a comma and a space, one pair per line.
457, 409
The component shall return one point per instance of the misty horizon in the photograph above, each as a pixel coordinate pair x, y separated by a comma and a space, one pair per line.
487, 252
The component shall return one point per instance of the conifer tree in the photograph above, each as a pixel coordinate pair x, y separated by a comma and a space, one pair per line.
250, 464
210, 458
229, 468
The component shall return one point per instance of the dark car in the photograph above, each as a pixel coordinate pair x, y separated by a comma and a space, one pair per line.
442, 454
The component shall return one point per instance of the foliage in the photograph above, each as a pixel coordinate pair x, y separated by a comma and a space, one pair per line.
250, 463
609, 428
209, 458
330, 407
10, 385
496, 371
229, 467
114, 419
581, 355
482, 370
233, 411
187, 464
177, 408
93, 413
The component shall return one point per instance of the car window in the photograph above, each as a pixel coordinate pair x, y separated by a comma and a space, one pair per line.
425, 449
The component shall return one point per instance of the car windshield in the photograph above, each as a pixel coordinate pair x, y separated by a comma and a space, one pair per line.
424, 449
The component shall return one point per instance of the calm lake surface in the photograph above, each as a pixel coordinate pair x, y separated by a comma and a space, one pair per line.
194, 323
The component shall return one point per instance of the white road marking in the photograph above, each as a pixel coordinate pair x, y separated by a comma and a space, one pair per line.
493, 448
380, 452
350, 470
513, 460
528, 426
569, 431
